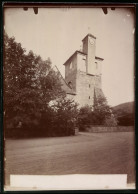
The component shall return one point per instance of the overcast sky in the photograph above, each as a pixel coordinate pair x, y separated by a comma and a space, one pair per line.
57, 33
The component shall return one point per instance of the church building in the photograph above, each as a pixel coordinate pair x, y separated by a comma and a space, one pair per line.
83, 73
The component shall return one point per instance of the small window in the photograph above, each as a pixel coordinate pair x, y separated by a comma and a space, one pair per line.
89, 85
89, 97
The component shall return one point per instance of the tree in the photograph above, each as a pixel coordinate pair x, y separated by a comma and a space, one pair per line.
111, 121
65, 116
85, 117
29, 85
18, 86
101, 109
98, 114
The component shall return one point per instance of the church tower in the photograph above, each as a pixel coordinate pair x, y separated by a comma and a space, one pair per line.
89, 47
83, 72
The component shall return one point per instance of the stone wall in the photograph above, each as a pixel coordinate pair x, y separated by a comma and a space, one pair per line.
99, 129
85, 89
71, 71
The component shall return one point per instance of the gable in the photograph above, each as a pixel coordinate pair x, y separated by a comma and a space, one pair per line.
64, 84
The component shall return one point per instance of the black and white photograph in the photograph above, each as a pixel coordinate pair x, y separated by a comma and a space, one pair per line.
69, 97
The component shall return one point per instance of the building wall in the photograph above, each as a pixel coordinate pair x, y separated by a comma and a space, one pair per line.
98, 67
97, 81
84, 89
89, 47
83, 70
83, 84
70, 72
81, 62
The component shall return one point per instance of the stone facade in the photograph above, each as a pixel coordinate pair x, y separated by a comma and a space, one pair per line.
83, 73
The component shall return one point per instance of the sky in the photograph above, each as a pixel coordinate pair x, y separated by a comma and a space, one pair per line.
58, 32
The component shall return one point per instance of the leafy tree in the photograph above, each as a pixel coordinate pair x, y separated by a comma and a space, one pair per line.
101, 109
85, 117
65, 116
111, 121
98, 114
29, 85
127, 120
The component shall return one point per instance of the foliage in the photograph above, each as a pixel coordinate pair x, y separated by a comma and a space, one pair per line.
125, 114
126, 120
65, 116
98, 114
111, 121
124, 108
101, 109
34, 102
29, 85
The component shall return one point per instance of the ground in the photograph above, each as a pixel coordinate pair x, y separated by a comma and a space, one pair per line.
86, 153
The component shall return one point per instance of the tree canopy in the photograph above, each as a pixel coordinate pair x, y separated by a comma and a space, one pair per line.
30, 84
98, 114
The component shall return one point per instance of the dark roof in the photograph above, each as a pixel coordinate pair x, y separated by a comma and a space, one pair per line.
64, 84
75, 53
89, 35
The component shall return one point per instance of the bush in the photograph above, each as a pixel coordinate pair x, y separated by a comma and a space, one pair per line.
111, 121
65, 117
99, 114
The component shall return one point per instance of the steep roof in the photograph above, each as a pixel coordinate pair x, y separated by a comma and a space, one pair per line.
64, 84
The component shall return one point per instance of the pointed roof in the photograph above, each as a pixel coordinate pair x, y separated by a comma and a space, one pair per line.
64, 84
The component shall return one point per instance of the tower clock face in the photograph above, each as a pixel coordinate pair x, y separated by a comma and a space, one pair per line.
91, 40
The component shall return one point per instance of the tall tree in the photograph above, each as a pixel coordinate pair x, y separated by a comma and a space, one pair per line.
29, 85
101, 109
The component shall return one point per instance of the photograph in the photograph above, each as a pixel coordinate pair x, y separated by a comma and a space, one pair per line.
69, 97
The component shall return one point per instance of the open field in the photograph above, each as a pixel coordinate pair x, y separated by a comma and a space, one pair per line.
86, 153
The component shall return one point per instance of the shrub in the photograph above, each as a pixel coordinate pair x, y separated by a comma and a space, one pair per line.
98, 114
65, 117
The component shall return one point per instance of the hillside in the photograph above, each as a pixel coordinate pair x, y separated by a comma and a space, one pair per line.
124, 113
125, 108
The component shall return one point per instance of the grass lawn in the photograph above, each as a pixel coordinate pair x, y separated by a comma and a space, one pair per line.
86, 153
